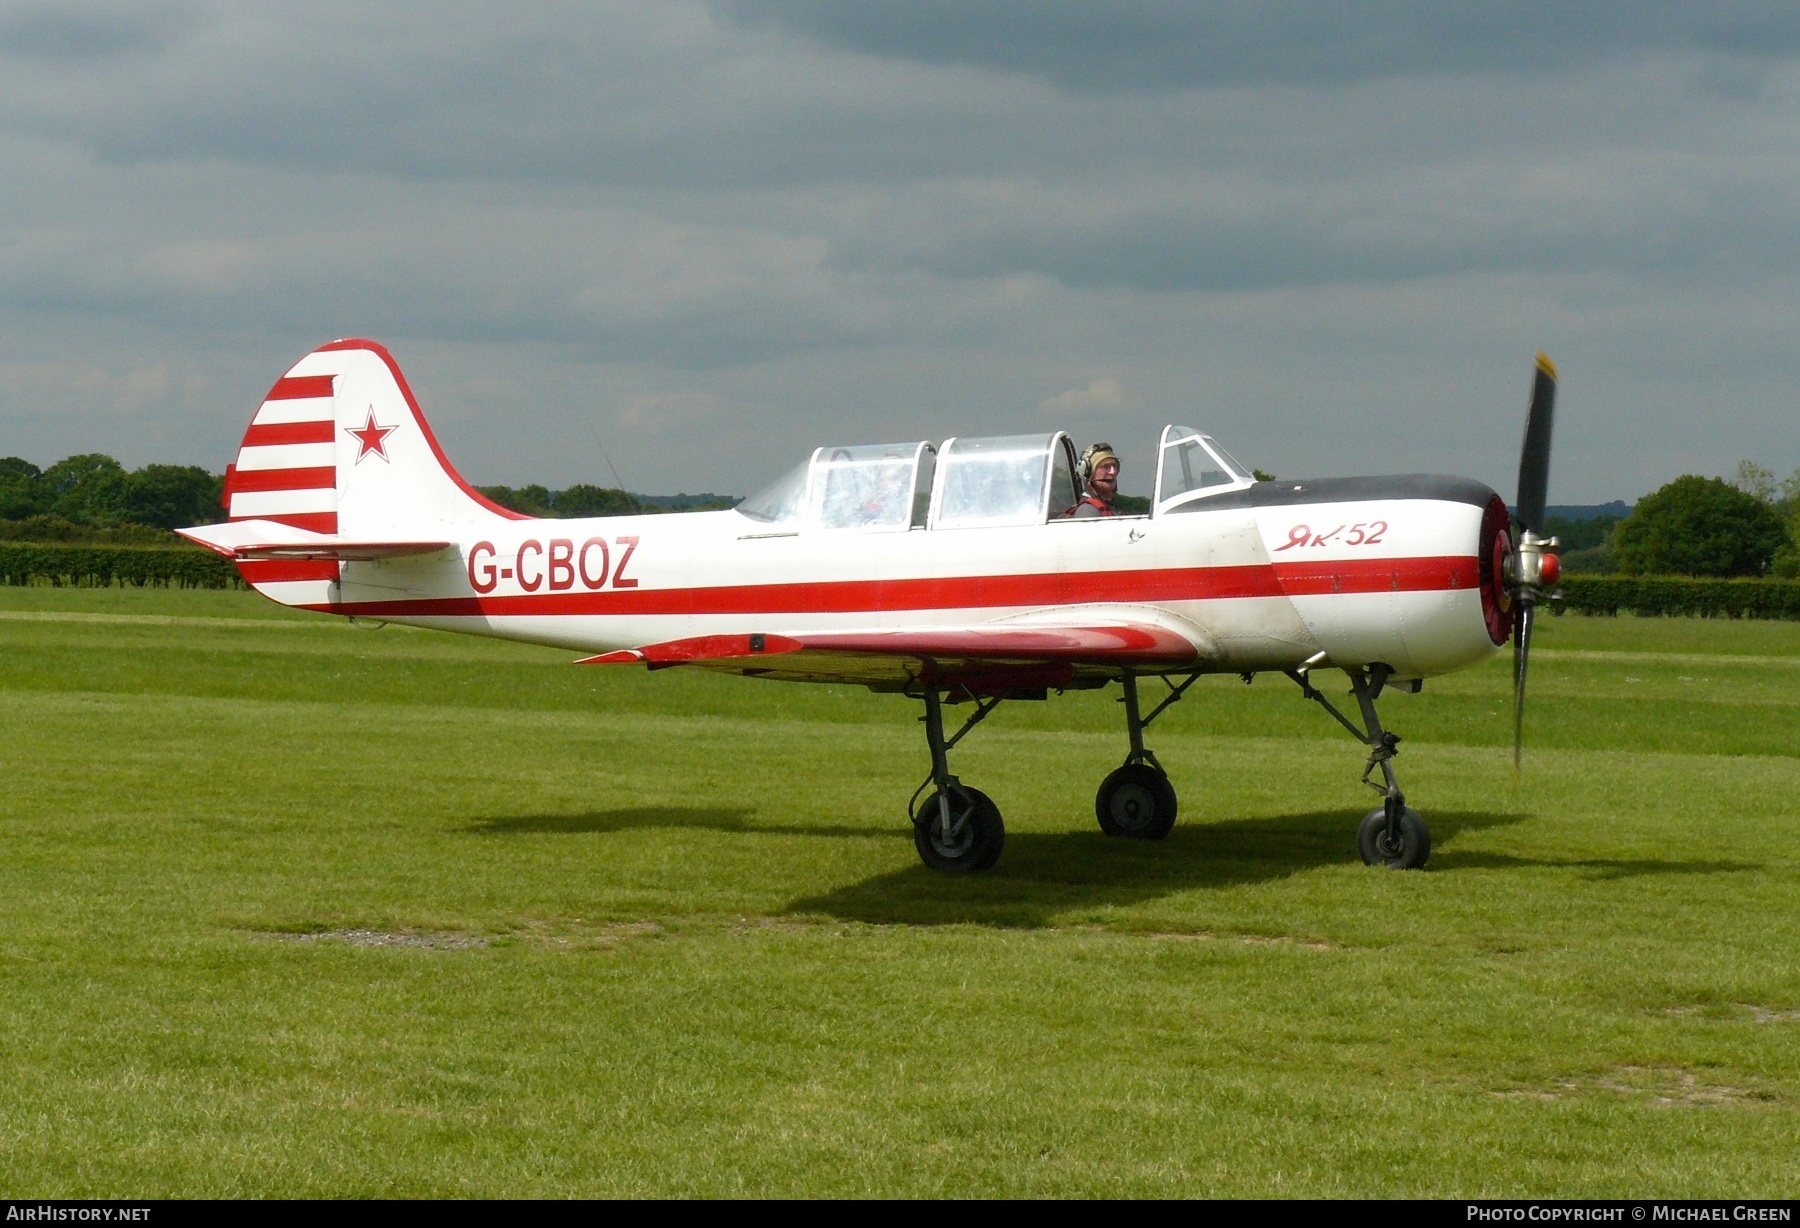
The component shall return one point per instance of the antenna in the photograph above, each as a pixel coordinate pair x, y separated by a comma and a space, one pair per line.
619, 482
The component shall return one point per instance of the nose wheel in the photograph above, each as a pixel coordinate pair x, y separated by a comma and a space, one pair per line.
1393, 834
1136, 802
1402, 845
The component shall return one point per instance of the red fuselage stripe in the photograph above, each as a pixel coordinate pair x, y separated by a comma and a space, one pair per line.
965, 592
1376, 575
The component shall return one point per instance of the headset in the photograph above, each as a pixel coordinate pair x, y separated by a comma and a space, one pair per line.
1084, 468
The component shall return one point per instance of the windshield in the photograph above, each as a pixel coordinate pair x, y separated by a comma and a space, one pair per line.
782, 501
1192, 464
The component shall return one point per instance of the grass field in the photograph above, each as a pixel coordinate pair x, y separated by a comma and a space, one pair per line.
292, 907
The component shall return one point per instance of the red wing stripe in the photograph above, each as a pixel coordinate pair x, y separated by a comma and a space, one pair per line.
300, 387
1033, 643
274, 433
625, 656
1451, 572
699, 648
246, 480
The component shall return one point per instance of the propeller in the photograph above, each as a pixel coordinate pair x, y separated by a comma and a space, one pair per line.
1532, 570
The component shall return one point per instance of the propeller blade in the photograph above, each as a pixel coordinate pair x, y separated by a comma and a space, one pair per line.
1521, 659
1534, 457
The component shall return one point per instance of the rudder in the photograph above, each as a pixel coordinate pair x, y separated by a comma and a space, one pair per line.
340, 447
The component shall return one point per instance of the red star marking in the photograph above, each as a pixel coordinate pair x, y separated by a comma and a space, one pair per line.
371, 436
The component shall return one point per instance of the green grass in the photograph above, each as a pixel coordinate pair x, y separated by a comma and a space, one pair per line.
291, 907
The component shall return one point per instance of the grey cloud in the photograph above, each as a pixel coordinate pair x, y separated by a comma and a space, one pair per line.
1228, 234
665, 99
1149, 45
68, 33
556, 214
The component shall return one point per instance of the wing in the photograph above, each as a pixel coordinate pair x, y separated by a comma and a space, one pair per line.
989, 658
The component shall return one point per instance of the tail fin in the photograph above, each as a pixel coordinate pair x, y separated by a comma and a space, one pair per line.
339, 447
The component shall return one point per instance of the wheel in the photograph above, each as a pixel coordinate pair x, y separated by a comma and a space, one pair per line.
976, 837
1136, 802
1409, 852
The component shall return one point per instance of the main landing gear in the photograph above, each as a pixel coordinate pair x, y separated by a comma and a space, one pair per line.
1136, 801
1393, 834
956, 828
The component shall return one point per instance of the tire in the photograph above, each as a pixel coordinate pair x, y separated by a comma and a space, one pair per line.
977, 833
1136, 802
1414, 847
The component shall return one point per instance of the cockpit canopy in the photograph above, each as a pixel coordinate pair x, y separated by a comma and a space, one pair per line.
995, 482
865, 486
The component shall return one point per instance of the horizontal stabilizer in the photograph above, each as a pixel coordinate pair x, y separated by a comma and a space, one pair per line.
247, 540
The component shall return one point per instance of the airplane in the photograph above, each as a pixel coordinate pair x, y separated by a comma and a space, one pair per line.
950, 573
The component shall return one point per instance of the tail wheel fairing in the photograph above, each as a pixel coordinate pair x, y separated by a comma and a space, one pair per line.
1496, 547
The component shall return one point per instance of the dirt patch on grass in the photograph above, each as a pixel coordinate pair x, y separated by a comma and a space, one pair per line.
430, 940
576, 933
1667, 1087
1770, 1014
1737, 1012
1258, 940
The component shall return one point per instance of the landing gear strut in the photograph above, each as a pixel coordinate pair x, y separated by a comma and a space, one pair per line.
1393, 834
1137, 802
956, 828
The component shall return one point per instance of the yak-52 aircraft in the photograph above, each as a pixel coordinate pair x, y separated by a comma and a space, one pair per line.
949, 573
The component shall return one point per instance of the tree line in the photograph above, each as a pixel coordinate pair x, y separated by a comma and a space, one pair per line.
1695, 526
93, 498
583, 500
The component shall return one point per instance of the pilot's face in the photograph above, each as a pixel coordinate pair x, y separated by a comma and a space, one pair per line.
1106, 479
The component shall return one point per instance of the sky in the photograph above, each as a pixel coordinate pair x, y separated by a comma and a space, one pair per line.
690, 241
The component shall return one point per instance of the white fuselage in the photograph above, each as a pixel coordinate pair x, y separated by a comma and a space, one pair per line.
1390, 580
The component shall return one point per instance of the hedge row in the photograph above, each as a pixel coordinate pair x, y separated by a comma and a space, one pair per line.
161, 566
1675, 595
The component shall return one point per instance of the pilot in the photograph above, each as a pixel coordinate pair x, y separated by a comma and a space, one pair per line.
886, 504
1098, 470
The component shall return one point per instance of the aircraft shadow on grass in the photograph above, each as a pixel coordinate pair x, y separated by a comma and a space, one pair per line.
1603, 868
1045, 874
638, 818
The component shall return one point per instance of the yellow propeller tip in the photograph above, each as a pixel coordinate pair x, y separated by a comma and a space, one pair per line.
1545, 365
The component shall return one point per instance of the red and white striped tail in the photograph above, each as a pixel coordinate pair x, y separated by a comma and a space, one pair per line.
339, 447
